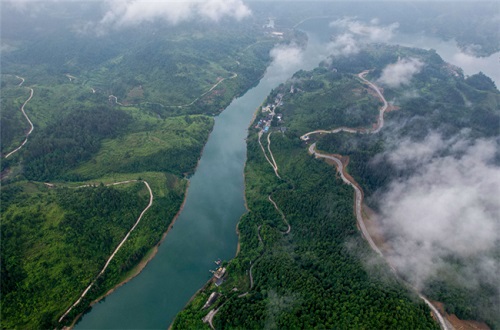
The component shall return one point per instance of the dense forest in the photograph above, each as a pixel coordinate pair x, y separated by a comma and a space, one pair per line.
322, 273
315, 275
136, 104
54, 242
455, 108
133, 105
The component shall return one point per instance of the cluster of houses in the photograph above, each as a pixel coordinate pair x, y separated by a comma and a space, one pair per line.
265, 123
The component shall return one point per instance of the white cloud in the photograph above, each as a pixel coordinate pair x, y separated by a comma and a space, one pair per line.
401, 72
216, 9
372, 31
448, 208
355, 34
132, 12
138, 11
286, 57
344, 45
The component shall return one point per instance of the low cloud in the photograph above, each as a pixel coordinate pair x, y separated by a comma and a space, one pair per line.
286, 56
413, 154
126, 13
353, 35
447, 209
344, 45
400, 73
372, 31
286, 59
217, 9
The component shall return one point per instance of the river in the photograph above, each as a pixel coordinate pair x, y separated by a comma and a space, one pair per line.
205, 230
450, 52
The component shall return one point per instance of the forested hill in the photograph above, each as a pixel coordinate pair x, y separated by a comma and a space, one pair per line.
445, 120
303, 262
113, 114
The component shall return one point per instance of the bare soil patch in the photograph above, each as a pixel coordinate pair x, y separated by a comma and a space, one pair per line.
457, 323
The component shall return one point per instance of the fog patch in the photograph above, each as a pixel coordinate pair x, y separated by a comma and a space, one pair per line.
354, 34
128, 13
447, 209
286, 56
344, 45
217, 9
372, 31
400, 73
286, 59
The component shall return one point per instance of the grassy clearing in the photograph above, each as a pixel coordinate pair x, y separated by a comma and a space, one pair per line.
175, 137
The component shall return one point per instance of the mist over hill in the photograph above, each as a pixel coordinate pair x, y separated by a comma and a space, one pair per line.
107, 105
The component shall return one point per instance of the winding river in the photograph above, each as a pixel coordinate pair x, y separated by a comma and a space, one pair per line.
205, 230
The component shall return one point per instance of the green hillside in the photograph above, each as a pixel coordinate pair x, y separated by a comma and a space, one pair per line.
135, 104
323, 274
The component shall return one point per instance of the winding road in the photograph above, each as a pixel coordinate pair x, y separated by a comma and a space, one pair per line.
251, 267
70, 77
182, 105
271, 154
380, 118
117, 248
282, 215
273, 162
27, 118
359, 194
116, 99
22, 81
199, 97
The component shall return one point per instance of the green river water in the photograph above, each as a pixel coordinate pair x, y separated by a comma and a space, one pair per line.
205, 230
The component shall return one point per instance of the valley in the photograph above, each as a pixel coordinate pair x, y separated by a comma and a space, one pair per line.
354, 178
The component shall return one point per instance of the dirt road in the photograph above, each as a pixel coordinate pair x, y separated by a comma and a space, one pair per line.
27, 118
282, 215
359, 194
22, 81
272, 163
117, 248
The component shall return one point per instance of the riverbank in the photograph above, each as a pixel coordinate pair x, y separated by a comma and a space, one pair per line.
140, 266
238, 246
154, 250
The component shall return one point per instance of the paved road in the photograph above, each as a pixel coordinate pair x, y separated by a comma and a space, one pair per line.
380, 120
